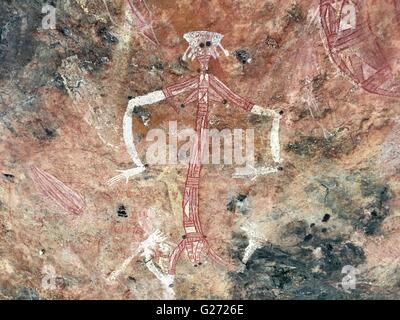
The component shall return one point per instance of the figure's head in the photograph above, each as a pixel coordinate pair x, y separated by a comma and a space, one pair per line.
203, 43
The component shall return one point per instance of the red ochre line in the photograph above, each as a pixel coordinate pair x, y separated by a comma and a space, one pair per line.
56, 191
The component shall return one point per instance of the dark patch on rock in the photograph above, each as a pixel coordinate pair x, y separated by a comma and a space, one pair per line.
142, 113
308, 237
277, 273
318, 81
179, 67
357, 199
65, 31
373, 215
238, 246
295, 14
295, 231
44, 133
121, 211
51, 133
25, 293
59, 82
332, 147
271, 43
326, 217
94, 57
242, 55
17, 45
159, 66
106, 36
238, 204
9, 177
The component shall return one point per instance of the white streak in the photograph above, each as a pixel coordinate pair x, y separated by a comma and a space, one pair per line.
255, 241
274, 145
274, 137
146, 249
250, 171
115, 274
248, 252
150, 98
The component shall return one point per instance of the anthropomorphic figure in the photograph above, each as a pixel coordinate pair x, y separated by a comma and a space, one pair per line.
203, 89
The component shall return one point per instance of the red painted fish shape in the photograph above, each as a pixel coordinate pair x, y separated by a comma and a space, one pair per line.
56, 191
145, 27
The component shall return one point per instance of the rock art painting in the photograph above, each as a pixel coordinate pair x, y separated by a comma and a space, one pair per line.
199, 150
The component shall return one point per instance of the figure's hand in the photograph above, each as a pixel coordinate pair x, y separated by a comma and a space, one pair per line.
254, 172
169, 280
125, 174
151, 244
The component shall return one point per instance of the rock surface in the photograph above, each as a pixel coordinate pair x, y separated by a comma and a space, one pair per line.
63, 94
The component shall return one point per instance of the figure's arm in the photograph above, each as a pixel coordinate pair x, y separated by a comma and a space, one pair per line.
147, 99
254, 172
274, 136
227, 94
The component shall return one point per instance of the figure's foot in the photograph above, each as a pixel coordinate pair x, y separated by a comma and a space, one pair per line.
125, 174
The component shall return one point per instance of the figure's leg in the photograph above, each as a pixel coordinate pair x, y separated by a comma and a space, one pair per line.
217, 259
175, 256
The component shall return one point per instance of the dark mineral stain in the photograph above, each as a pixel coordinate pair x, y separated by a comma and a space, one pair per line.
326, 217
296, 229
9, 176
51, 133
273, 272
373, 215
308, 237
271, 43
65, 31
318, 81
25, 293
141, 112
59, 82
342, 197
93, 57
106, 36
242, 55
44, 133
17, 45
331, 147
121, 211
239, 243
295, 14
238, 204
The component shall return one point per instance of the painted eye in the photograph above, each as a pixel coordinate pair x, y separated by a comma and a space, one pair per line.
202, 45
208, 43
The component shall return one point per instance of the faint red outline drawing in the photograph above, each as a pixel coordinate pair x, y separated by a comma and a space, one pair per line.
145, 27
56, 191
367, 66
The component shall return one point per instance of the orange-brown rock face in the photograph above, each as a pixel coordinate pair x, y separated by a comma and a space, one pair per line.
324, 224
